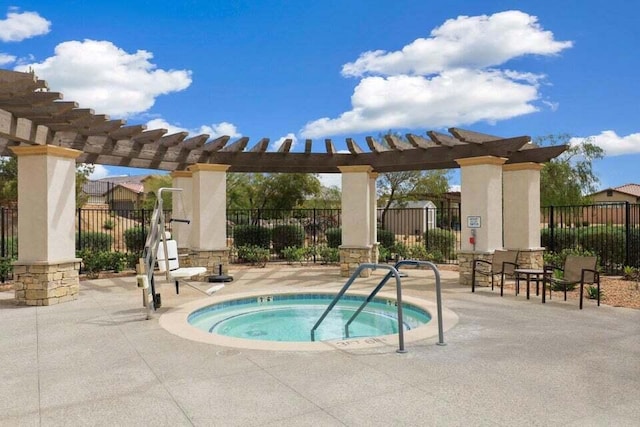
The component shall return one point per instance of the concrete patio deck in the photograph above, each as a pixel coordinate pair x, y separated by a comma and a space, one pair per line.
508, 362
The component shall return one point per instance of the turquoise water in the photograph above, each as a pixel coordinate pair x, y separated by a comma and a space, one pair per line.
291, 317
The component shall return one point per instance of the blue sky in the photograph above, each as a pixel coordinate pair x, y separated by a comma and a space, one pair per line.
341, 68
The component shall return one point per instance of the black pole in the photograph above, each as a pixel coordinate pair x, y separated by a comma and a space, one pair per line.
627, 233
552, 243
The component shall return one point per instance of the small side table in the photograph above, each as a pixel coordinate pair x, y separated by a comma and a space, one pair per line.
530, 274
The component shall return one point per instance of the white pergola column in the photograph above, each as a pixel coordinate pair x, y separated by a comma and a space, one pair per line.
481, 210
181, 231
208, 236
373, 226
47, 268
521, 195
356, 219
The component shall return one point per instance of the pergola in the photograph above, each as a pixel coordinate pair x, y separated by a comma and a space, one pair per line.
37, 126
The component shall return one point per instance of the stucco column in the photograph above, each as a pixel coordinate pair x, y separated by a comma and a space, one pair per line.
47, 268
182, 207
356, 219
521, 188
481, 210
373, 226
209, 224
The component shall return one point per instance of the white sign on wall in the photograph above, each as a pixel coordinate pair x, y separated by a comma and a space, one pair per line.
473, 222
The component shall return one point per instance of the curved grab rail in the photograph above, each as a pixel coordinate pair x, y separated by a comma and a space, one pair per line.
384, 281
356, 273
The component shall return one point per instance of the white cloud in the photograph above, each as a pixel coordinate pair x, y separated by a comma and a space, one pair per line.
448, 79
457, 97
5, 58
613, 144
465, 42
99, 75
99, 172
215, 130
275, 145
22, 25
218, 129
330, 180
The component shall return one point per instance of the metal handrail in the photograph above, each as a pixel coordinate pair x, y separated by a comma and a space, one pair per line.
384, 281
356, 273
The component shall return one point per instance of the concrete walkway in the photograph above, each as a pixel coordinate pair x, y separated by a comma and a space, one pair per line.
508, 362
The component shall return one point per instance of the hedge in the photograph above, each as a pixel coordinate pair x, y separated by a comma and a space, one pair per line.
93, 241
134, 239
386, 238
287, 235
334, 237
252, 235
443, 241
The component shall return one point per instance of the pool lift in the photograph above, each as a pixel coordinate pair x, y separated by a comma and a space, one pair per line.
393, 272
167, 252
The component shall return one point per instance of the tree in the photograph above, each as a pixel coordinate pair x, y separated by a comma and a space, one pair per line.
569, 178
270, 191
403, 186
9, 181
151, 186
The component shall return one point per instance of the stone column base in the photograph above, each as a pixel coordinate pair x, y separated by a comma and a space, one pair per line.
211, 259
351, 257
465, 266
375, 253
531, 258
46, 284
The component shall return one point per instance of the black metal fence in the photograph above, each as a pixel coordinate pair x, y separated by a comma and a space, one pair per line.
8, 241
611, 231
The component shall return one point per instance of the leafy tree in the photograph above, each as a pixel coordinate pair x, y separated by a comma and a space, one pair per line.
569, 178
9, 181
409, 185
328, 198
271, 191
151, 186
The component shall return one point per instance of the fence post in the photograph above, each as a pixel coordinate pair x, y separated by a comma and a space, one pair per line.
2, 240
79, 243
552, 240
315, 235
144, 234
627, 233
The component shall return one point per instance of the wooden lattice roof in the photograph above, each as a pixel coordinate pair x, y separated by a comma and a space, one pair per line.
30, 114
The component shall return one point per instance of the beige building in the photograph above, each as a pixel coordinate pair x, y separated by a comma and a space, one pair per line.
625, 193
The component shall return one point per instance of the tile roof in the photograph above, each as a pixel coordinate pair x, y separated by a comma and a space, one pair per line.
633, 189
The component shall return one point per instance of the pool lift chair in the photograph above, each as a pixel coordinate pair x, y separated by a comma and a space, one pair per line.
160, 248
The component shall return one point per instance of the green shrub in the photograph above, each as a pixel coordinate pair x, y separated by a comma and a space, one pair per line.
386, 238
93, 262
134, 239
630, 273
293, 254
284, 236
93, 241
6, 268
607, 242
329, 255
252, 235
334, 237
254, 254
401, 250
557, 259
11, 247
440, 240
592, 292
108, 224
384, 254
563, 238
309, 252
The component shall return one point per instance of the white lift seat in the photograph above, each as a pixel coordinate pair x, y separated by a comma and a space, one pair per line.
175, 271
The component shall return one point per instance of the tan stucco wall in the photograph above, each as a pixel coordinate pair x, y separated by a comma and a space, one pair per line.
521, 195
208, 228
356, 207
615, 197
46, 204
481, 193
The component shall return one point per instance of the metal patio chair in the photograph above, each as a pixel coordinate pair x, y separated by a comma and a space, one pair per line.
576, 270
504, 263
